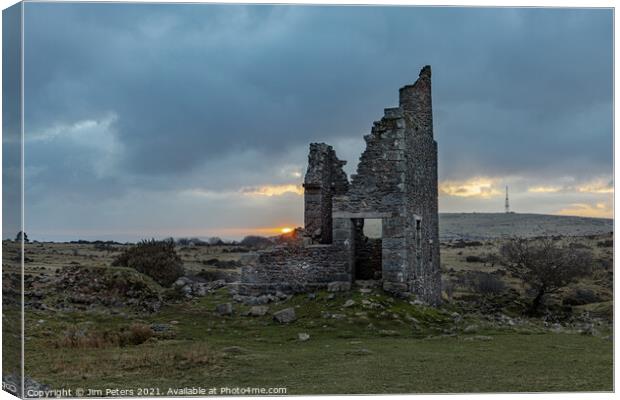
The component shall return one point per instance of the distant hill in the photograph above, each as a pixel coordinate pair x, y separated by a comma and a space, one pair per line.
480, 226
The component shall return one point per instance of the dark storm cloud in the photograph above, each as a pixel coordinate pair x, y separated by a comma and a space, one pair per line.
168, 95
513, 87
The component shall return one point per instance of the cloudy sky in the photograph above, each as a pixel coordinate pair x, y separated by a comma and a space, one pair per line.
194, 120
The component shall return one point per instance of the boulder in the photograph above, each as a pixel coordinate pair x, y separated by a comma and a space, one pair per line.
258, 311
216, 284
303, 336
281, 295
182, 281
470, 329
338, 286
285, 316
224, 309
349, 303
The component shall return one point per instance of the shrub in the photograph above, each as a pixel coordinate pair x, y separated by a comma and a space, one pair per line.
474, 259
256, 242
606, 243
82, 339
78, 338
489, 284
157, 259
580, 297
460, 244
137, 334
545, 265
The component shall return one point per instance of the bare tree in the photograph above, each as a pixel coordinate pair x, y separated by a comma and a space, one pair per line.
545, 265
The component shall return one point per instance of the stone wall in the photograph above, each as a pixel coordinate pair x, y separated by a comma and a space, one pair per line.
422, 227
378, 185
292, 269
324, 179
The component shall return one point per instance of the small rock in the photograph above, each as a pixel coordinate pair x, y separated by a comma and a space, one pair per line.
187, 290
216, 284
182, 281
365, 290
338, 286
303, 337
470, 329
479, 337
238, 298
200, 289
285, 316
456, 317
160, 327
359, 352
349, 303
224, 309
258, 311
388, 332
311, 296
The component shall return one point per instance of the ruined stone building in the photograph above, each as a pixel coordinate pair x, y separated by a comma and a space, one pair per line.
395, 185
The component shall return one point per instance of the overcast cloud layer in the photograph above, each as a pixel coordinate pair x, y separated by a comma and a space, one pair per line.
159, 120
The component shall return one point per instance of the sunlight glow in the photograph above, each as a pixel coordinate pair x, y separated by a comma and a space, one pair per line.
597, 210
273, 190
475, 187
599, 186
544, 189
286, 230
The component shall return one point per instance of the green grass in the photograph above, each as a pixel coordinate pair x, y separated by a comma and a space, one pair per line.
367, 351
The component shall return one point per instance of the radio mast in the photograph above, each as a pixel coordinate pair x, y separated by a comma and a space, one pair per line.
507, 203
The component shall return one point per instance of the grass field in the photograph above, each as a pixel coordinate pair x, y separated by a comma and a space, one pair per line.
361, 351
377, 345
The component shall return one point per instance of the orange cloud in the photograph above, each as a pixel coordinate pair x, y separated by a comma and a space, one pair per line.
598, 186
597, 210
475, 187
544, 189
273, 190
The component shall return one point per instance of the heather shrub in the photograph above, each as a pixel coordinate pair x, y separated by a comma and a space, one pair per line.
489, 284
154, 258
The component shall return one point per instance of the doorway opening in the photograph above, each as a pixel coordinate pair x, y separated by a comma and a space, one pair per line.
368, 248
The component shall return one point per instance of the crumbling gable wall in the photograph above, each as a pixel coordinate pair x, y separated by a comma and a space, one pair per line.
324, 179
422, 227
396, 181
378, 191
